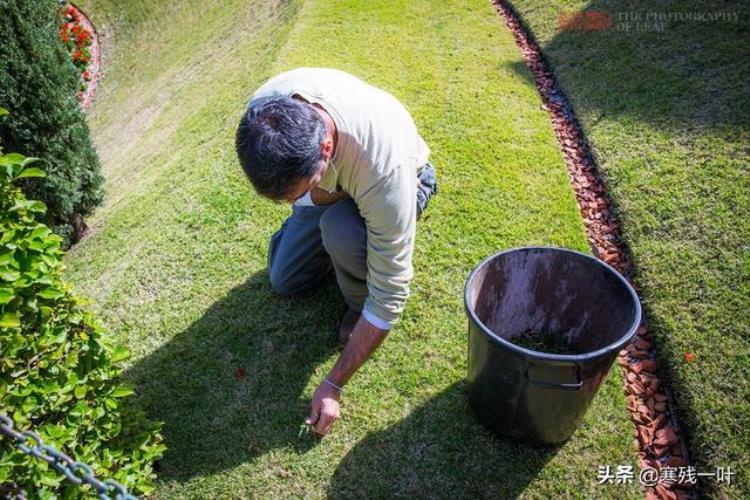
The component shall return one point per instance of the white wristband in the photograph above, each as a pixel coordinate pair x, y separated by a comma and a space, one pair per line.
332, 384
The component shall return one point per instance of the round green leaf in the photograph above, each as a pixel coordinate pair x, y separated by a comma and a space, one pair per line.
10, 320
6, 295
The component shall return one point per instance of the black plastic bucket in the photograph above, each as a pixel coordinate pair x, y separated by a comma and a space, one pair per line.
536, 397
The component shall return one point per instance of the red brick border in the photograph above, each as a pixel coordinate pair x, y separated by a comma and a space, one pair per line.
656, 432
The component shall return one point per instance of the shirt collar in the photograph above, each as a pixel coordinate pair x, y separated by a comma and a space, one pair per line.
330, 178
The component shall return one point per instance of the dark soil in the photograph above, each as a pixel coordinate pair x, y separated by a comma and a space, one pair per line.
543, 342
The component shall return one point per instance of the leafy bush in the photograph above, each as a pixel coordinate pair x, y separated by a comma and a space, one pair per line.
58, 375
38, 84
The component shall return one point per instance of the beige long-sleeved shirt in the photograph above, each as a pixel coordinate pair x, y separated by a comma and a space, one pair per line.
378, 156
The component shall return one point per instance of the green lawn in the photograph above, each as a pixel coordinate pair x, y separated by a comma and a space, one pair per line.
176, 264
668, 116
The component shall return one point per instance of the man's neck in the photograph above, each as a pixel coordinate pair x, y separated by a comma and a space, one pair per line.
327, 118
330, 125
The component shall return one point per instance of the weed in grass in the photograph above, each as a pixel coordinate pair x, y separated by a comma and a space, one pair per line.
304, 429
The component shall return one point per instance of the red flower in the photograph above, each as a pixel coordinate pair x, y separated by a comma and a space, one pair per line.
689, 357
72, 13
86, 75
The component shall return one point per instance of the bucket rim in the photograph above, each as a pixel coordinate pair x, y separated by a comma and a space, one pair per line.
538, 355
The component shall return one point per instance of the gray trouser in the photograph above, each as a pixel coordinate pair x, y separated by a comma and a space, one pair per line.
314, 240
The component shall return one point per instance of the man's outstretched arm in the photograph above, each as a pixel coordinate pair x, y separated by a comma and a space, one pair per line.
389, 209
364, 340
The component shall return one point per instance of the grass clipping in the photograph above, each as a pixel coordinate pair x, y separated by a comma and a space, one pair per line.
547, 342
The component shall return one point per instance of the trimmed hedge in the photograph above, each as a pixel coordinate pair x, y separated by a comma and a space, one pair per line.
38, 85
58, 375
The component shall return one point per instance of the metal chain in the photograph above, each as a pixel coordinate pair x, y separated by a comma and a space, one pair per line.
77, 472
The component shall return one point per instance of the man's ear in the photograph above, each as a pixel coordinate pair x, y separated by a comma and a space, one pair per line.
327, 147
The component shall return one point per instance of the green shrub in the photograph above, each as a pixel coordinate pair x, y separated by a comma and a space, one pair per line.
38, 84
58, 376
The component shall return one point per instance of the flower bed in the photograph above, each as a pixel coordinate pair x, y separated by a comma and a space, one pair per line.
79, 36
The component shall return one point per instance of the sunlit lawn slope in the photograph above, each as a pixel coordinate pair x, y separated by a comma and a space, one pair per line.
177, 262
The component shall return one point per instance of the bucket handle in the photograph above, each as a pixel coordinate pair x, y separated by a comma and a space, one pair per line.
553, 385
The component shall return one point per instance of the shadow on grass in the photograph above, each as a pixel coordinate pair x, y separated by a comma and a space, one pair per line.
668, 99
439, 450
675, 72
230, 387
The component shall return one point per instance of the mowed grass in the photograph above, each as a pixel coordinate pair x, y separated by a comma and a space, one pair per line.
176, 265
668, 115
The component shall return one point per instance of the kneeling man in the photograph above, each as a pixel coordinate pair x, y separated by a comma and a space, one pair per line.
348, 157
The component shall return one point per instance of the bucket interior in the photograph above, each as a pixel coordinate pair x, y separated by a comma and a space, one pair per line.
561, 293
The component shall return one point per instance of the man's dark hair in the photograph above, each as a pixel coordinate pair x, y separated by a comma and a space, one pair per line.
279, 142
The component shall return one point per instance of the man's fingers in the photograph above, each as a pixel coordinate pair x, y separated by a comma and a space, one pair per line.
314, 416
324, 411
324, 424
330, 412
330, 423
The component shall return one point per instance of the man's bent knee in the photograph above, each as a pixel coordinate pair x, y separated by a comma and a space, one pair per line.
282, 283
342, 229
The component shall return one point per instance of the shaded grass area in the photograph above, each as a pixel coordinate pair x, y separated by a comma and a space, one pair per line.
177, 265
668, 116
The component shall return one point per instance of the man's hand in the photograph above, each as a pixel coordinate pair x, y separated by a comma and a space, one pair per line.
324, 409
